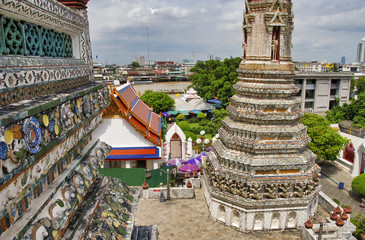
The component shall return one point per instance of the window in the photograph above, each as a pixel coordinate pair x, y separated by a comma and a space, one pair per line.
333, 92
309, 105
309, 94
332, 104
311, 81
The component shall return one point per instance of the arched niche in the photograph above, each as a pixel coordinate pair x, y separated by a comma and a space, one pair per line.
291, 220
222, 213
258, 223
235, 219
275, 220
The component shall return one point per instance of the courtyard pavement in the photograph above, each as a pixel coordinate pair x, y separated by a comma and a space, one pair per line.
189, 219
332, 175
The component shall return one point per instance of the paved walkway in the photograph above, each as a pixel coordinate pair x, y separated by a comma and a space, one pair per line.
189, 219
332, 174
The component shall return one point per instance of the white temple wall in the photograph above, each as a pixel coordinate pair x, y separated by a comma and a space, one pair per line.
260, 219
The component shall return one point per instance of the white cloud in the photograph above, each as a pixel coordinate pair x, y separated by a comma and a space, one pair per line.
134, 12
153, 10
324, 29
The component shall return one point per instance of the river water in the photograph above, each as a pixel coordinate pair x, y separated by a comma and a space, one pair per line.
162, 85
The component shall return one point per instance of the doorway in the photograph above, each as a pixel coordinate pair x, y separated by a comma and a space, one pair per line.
175, 146
141, 164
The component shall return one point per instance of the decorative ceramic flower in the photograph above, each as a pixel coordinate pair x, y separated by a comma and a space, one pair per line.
33, 134
3, 150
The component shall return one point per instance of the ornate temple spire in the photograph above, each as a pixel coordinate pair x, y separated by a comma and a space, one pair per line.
261, 158
267, 29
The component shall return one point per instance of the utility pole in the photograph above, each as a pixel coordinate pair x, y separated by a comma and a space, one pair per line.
148, 48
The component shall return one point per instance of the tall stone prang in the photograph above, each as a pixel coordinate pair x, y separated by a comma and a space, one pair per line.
260, 174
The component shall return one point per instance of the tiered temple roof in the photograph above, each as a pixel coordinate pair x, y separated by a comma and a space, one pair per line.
125, 115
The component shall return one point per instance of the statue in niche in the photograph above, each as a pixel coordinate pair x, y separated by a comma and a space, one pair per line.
274, 49
259, 221
291, 220
275, 44
244, 46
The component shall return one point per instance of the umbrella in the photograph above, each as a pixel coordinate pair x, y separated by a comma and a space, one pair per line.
195, 161
166, 114
176, 161
188, 168
173, 112
208, 149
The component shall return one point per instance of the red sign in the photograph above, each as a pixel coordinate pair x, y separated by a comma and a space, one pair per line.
156, 190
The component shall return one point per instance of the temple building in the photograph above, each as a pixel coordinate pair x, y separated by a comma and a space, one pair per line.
50, 105
260, 175
132, 129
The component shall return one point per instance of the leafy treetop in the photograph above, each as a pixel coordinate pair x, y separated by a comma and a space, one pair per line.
358, 184
326, 141
214, 78
355, 111
158, 100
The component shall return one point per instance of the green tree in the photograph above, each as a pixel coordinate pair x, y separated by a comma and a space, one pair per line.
180, 117
158, 100
353, 85
358, 184
360, 85
135, 65
355, 111
326, 141
201, 115
215, 79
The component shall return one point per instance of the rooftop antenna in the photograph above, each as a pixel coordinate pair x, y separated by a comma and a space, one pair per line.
148, 48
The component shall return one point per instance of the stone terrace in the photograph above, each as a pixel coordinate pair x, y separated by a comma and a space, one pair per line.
190, 219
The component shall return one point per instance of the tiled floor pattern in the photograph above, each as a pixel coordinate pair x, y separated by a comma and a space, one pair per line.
189, 219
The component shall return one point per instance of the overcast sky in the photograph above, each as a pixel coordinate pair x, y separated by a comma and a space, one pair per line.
324, 29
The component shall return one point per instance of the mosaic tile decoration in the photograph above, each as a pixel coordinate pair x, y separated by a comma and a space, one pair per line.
50, 11
24, 93
24, 38
56, 212
113, 218
54, 124
42, 13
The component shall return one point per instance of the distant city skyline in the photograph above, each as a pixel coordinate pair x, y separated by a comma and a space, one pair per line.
323, 29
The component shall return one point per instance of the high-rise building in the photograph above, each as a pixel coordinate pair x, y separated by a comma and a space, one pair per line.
261, 175
361, 51
343, 60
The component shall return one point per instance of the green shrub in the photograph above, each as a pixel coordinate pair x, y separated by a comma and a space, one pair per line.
201, 115
191, 135
358, 184
359, 221
336, 201
184, 125
193, 120
173, 183
180, 117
